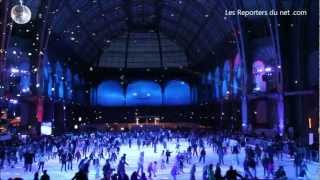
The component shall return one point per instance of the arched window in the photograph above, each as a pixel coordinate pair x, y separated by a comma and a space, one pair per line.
142, 92
177, 93
110, 93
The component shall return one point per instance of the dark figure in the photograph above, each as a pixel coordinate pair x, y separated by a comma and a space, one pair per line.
28, 158
202, 155
80, 175
280, 174
41, 162
69, 161
217, 172
63, 160
36, 176
45, 176
168, 154
134, 176
193, 172
143, 176
78, 155
232, 174
107, 170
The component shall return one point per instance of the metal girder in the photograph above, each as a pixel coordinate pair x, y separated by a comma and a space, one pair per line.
159, 8
201, 27
127, 50
160, 48
127, 6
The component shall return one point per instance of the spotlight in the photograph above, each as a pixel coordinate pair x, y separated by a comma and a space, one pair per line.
14, 70
268, 69
13, 101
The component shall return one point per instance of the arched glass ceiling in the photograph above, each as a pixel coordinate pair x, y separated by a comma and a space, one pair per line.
143, 50
88, 26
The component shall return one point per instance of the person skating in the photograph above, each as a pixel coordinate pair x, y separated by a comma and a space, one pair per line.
193, 172
168, 154
140, 163
41, 161
202, 155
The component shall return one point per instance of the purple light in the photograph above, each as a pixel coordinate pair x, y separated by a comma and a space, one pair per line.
14, 70
260, 70
280, 110
13, 101
268, 69
257, 89
24, 90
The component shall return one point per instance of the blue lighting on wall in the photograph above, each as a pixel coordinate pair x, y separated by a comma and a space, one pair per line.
236, 81
46, 72
59, 81
68, 79
50, 87
140, 93
109, 93
217, 83
226, 78
143, 93
25, 77
177, 93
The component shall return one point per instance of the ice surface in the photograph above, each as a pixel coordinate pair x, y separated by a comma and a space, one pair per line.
53, 166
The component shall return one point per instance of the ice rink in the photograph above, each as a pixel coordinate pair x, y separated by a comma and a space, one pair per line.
53, 166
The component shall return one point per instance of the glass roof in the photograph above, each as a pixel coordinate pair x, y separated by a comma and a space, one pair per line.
143, 50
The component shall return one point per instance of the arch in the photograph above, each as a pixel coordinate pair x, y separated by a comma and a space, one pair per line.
110, 93
177, 92
143, 92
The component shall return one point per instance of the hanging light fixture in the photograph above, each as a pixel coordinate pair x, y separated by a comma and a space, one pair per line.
20, 13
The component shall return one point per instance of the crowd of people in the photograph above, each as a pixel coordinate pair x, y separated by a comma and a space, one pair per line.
101, 151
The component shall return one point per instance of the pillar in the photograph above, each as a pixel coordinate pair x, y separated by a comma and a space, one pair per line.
244, 113
274, 32
240, 36
5, 32
280, 112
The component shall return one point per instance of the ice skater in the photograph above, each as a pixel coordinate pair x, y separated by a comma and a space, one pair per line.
202, 156
193, 172
140, 163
